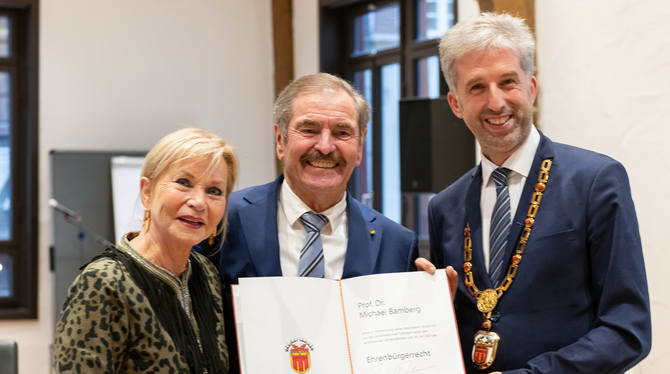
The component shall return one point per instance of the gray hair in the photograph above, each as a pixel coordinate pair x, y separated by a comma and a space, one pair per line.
488, 30
319, 83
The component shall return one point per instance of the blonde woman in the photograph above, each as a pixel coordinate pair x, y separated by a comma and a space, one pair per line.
150, 304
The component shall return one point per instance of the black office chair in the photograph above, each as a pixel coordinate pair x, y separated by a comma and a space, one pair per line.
9, 353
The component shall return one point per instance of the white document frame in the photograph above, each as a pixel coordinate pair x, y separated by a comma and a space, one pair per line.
415, 307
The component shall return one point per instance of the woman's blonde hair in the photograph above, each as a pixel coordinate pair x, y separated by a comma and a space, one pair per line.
192, 143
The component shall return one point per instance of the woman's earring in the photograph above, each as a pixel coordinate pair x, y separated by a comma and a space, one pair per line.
145, 221
211, 237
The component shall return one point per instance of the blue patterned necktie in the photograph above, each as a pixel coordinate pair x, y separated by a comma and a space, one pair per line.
311, 256
500, 224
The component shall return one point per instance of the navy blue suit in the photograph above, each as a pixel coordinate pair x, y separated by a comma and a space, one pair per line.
579, 302
251, 248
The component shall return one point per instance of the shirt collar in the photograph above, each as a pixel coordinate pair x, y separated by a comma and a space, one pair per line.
294, 208
519, 162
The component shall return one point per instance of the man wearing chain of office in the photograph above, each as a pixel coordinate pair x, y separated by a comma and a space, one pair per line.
544, 235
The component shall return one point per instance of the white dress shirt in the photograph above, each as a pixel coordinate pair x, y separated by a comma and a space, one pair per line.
334, 235
519, 164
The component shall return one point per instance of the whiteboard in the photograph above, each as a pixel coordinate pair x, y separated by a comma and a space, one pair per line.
128, 209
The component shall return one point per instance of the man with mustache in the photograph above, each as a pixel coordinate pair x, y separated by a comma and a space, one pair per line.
553, 279
305, 223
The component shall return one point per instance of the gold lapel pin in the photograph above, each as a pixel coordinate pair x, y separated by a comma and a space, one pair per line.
372, 232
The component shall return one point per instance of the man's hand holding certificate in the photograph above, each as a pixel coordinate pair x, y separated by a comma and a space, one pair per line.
387, 323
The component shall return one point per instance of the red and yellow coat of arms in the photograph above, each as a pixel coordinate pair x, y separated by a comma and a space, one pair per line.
300, 358
485, 348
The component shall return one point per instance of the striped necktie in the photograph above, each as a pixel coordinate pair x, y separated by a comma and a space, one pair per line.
500, 224
311, 256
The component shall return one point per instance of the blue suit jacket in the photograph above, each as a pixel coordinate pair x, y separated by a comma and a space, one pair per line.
579, 302
251, 247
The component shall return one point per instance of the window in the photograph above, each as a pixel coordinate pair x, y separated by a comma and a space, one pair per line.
388, 49
433, 18
18, 160
376, 30
428, 77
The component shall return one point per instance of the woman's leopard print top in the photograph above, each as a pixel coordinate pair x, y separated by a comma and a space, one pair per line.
108, 326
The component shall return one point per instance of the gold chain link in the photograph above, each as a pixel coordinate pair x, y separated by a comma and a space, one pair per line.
516, 259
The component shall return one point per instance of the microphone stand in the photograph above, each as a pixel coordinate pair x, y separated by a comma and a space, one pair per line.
83, 230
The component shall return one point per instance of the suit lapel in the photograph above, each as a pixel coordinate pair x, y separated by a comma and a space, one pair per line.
259, 222
363, 247
473, 216
544, 150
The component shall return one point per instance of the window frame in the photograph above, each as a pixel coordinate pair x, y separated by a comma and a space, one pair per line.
415, 50
336, 44
23, 245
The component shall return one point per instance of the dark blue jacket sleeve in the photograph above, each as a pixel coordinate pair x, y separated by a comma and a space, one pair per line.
622, 336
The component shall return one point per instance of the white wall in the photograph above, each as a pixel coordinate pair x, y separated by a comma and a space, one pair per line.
604, 78
305, 37
121, 74
467, 8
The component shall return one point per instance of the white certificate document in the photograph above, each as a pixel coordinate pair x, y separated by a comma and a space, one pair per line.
377, 324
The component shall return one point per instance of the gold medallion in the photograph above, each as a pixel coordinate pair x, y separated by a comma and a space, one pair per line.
485, 348
487, 300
